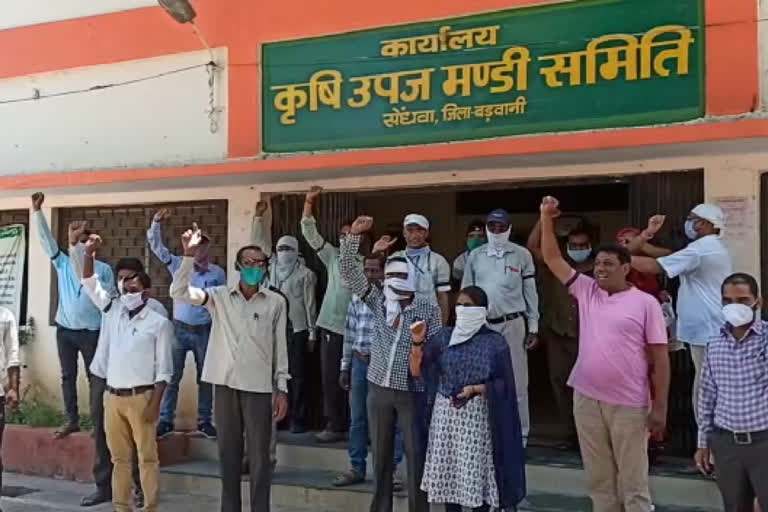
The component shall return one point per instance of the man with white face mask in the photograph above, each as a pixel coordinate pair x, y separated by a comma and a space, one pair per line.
733, 410
134, 358
288, 274
392, 394
701, 266
505, 271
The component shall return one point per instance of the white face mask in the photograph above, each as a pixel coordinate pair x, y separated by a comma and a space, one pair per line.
738, 315
497, 241
286, 258
469, 320
393, 298
132, 300
120, 286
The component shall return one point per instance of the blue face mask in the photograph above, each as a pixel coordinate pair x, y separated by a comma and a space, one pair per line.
690, 232
252, 275
579, 255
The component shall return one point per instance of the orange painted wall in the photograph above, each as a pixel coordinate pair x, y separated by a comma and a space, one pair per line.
242, 25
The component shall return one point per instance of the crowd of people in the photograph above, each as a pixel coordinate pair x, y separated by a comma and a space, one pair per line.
451, 399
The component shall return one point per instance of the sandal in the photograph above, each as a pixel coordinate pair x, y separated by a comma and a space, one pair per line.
350, 477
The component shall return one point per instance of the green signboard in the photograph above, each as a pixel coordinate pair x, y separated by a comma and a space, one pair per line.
584, 64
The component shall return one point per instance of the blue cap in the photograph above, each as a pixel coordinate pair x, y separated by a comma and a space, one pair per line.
498, 215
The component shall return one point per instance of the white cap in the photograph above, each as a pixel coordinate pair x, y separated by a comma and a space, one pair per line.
289, 241
712, 213
415, 218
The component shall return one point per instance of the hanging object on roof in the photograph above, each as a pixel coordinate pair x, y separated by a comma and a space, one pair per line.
181, 10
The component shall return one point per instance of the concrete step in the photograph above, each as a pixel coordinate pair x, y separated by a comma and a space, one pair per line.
301, 487
547, 473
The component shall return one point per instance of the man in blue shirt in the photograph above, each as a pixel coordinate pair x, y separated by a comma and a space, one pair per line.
193, 328
77, 319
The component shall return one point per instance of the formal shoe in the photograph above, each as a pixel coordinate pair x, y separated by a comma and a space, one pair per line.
297, 429
138, 499
207, 430
164, 429
245, 468
326, 436
69, 428
96, 498
350, 477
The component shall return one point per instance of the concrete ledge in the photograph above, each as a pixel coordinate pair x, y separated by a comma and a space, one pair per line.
35, 451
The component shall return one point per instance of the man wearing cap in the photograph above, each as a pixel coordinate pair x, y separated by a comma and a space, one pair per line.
192, 325
297, 283
505, 271
702, 267
430, 272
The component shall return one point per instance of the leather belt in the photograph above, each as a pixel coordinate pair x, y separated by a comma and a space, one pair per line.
744, 438
138, 390
197, 329
505, 318
361, 356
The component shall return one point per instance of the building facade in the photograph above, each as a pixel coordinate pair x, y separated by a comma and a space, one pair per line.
623, 108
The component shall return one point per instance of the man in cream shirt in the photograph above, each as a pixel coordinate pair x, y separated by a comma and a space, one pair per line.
247, 358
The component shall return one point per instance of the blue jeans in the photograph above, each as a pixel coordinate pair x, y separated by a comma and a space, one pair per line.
358, 428
197, 343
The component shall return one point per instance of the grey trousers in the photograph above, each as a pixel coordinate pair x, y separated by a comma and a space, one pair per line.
239, 413
385, 406
742, 471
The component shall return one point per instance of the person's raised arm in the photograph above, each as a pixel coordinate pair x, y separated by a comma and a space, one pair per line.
261, 233
534, 242
351, 272
550, 210
654, 251
181, 287
76, 250
92, 286
50, 247
155, 240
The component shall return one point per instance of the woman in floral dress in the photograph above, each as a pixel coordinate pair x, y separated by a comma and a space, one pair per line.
474, 453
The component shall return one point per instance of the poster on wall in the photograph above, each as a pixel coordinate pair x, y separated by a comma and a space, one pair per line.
580, 65
12, 255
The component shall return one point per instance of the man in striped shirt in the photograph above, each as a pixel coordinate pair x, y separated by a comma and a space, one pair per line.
733, 404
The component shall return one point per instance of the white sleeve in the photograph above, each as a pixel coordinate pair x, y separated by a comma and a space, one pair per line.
100, 297
680, 262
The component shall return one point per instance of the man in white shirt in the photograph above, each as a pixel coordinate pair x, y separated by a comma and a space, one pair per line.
9, 362
702, 267
430, 272
247, 359
134, 357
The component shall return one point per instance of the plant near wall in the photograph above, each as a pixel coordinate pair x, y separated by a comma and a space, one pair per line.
34, 412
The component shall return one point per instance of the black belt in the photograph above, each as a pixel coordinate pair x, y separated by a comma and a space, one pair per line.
744, 438
138, 390
505, 318
361, 356
197, 329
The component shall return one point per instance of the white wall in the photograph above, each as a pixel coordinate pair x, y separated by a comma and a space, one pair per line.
162, 121
18, 13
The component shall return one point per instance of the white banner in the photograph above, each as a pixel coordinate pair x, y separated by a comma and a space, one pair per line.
12, 254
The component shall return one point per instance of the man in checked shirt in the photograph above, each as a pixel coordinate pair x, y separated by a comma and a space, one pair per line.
392, 395
733, 402
358, 333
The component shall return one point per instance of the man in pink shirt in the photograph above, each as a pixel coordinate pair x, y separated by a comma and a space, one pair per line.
621, 335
